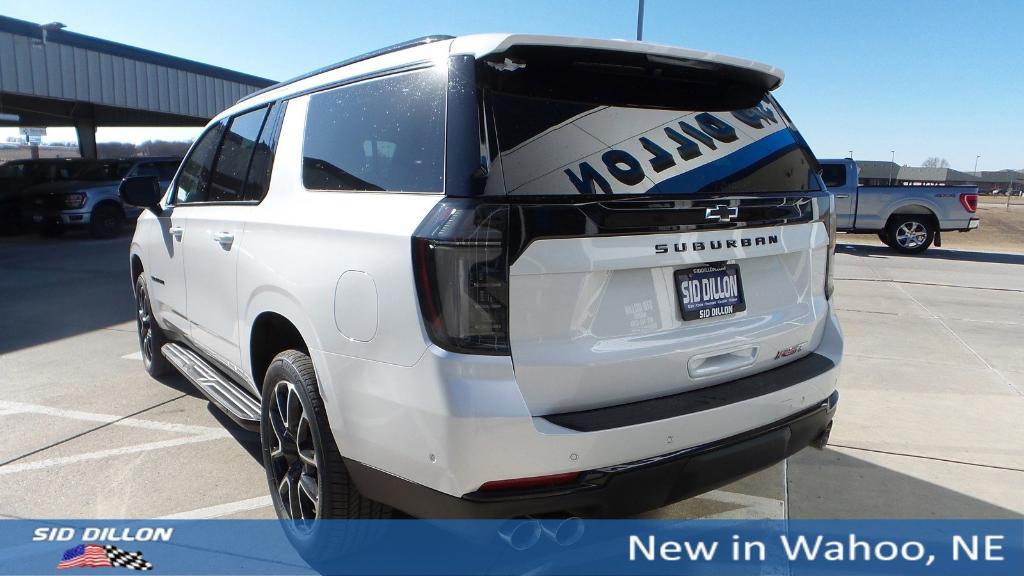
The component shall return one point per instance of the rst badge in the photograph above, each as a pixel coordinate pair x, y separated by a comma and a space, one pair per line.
785, 352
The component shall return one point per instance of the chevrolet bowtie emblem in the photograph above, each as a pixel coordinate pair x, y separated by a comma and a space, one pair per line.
721, 213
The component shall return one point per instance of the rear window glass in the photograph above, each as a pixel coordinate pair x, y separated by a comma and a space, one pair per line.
834, 175
101, 171
551, 146
384, 134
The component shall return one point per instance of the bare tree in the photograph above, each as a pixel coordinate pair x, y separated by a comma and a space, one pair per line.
147, 148
935, 162
115, 149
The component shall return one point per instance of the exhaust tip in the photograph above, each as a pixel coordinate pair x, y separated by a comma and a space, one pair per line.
520, 533
564, 533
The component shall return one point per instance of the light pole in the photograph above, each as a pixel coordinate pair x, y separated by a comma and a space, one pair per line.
892, 165
976, 158
851, 155
1009, 191
640, 21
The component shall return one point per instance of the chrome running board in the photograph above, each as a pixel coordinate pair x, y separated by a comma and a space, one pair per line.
218, 388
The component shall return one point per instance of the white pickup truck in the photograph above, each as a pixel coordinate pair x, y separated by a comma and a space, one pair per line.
906, 218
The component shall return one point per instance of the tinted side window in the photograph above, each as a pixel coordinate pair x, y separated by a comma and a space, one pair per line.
163, 171
834, 175
166, 170
12, 170
99, 171
233, 158
195, 173
384, 134
146, 169
262, 164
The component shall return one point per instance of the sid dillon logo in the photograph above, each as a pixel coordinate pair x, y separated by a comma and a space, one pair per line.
95, 554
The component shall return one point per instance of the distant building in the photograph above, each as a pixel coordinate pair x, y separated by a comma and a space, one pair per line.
884, 173
878, 172
989, 181
921, 176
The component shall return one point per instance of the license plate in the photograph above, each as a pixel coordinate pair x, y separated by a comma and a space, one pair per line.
710, 291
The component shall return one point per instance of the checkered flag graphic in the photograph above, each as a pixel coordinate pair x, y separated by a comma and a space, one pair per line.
130, 560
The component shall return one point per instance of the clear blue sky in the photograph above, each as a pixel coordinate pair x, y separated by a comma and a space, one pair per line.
922, 77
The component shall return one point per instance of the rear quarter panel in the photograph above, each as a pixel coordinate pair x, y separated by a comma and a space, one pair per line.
875, 204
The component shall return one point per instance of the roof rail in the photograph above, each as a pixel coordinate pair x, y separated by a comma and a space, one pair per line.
379, 52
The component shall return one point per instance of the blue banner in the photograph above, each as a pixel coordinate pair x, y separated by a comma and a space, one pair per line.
527, 546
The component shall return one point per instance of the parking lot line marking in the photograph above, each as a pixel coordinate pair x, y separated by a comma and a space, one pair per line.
963, 342
137, 355
936, 284
21, 407
933, 458
221, 509
101, 454
752, 506
785, 489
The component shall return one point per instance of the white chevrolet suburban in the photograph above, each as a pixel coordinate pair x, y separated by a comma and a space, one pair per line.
500, 275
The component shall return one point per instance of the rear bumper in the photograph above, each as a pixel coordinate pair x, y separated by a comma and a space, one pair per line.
972, 224
621, 490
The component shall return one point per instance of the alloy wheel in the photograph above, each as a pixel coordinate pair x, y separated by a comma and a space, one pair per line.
293, 458
145, 325
911, 235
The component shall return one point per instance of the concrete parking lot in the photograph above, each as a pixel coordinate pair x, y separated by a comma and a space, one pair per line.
929, 422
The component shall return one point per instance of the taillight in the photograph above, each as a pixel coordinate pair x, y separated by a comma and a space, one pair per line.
826, 214
460, 260
969, 202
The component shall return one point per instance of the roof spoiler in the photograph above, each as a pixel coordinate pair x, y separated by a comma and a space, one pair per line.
617, 77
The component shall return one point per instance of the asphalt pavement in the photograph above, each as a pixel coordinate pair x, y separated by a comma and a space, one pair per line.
929, 423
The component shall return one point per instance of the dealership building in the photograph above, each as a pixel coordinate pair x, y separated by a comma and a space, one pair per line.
51, 77
884, 173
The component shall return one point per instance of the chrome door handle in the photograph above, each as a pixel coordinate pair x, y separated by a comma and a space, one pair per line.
842, 195
224, 238
176, 231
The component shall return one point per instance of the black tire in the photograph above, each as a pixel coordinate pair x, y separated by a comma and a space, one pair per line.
106, 221
910, 233
151, 338
884, 237
288, 433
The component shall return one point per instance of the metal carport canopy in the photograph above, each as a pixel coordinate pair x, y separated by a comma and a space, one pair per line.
53, 77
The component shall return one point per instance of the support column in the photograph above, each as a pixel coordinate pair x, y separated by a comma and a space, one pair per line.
86, 128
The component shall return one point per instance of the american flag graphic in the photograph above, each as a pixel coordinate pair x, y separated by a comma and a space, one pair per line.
85, 556
97, 556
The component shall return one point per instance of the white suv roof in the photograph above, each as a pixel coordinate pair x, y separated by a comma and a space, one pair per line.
481, 45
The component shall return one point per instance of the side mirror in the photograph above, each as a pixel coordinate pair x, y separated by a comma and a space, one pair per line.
141, 191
